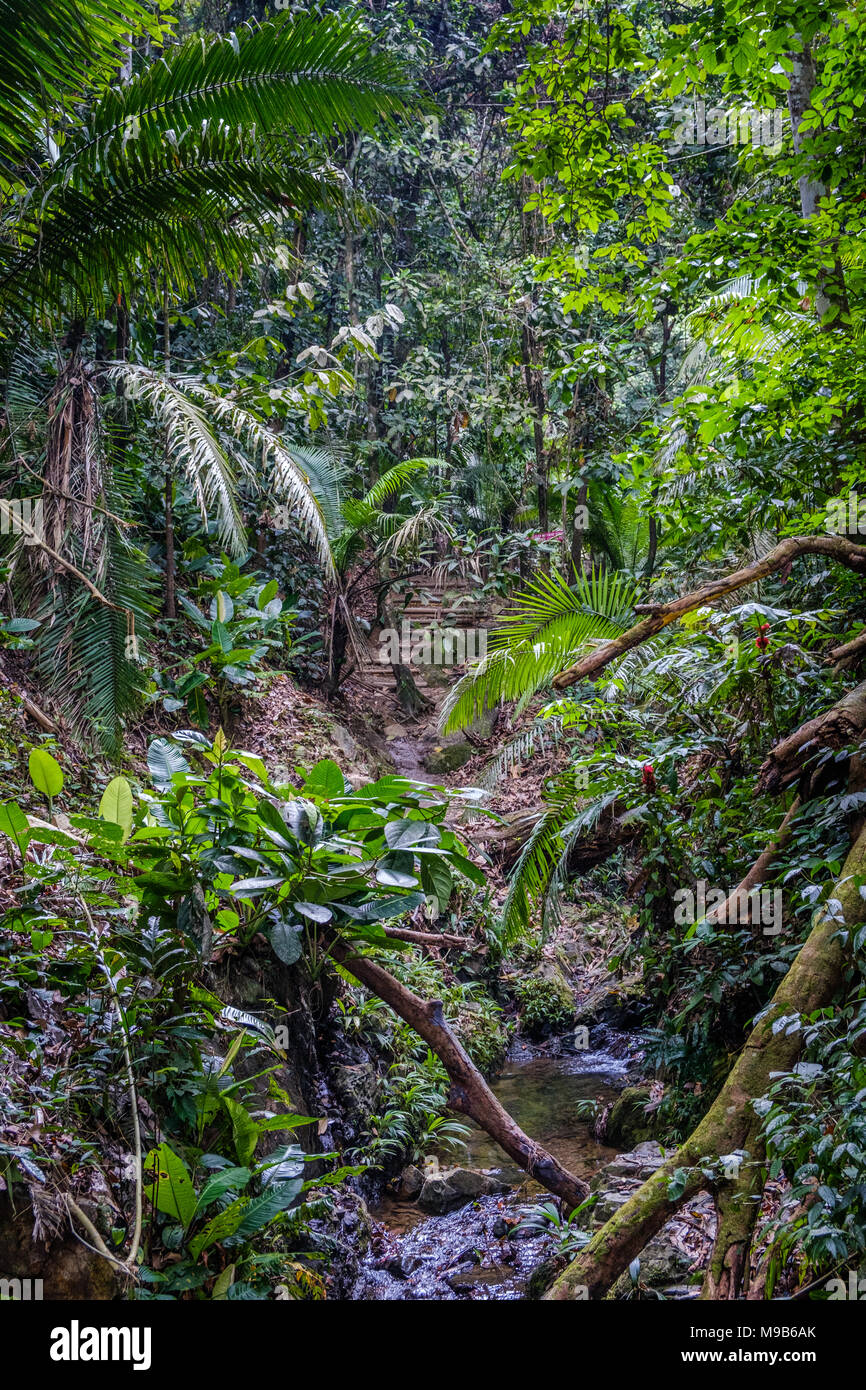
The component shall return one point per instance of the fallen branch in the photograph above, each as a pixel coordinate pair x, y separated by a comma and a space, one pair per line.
811, 983
661, 615
98, 1247
848, 653
469, 1093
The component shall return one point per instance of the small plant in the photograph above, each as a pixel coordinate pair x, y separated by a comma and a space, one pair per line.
546, 1219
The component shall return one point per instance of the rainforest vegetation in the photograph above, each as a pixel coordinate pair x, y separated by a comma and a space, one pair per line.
433, 650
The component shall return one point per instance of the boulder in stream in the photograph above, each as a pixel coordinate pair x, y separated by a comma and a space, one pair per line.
452, 1187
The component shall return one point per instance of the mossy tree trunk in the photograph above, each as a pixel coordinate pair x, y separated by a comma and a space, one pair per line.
811, 983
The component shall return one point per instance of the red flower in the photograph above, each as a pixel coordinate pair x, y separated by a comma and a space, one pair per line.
761, 641
649, 777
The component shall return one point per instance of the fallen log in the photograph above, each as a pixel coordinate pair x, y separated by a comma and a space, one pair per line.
661, 615
813, 980
469, 1092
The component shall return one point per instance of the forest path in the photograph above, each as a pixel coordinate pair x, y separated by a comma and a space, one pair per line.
442, 629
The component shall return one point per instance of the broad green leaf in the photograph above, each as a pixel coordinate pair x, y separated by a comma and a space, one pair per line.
226, 1180
325, 780
163, 761
116, 804
222, 608
245, 1131
286, 942
45, 773
14, 823
172, 1191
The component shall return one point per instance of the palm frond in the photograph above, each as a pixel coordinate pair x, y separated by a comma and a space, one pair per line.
392, 482
82, 651
540, 873
189, 410
543, 736
311, 75
192, 444
53, 51
209, 197
550, 623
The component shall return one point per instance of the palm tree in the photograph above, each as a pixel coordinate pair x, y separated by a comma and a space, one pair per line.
190, 162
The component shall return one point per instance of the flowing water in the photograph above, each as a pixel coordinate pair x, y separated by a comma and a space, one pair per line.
473, 1252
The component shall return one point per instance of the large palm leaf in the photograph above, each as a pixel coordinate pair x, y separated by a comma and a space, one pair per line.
211, 199
55, 50
547, 627
193, 163
191, 415
309, 75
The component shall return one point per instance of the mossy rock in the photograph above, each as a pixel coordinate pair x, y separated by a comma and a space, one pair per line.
628, 1124
544, 1274
449, 756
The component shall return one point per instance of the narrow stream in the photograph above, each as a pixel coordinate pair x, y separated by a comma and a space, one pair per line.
474, 1251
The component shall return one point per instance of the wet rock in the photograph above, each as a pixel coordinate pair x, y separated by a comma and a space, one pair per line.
473, 1278
402, 1266
640, 1163
470, 1255
69, 1270
447, 1189
409, 1183
357, 1089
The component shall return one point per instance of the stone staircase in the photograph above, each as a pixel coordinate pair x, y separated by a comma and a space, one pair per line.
433, 609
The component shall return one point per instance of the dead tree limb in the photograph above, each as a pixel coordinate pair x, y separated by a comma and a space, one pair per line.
661, 615
811, 983
428, 938
469, 1093
848, 653
839, 726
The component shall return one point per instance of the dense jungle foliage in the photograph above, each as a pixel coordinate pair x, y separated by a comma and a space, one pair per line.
433, 647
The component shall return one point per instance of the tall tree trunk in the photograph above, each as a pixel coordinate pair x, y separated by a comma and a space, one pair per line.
832, 292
